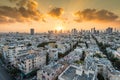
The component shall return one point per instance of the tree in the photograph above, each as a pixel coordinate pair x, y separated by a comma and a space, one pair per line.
0, 55
56, 46
110, 55
47, 58
115, 62
100, 77
113, 59
83, 56
29, 44
42, 44
14, 71
61, 55
97, 55
86, 44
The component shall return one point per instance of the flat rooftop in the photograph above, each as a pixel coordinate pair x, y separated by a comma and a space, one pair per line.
70, 74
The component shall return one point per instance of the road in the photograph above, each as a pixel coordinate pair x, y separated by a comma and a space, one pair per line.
3, 73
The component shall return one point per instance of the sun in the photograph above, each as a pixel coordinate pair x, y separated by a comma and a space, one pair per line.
59, 28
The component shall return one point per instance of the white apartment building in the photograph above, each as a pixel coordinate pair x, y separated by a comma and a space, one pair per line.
30, 62
53, 53
73, 72
51, 71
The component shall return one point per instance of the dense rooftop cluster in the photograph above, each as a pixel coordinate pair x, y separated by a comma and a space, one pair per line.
79, 55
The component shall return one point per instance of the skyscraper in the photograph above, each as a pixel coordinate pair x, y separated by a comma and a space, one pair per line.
93, 30
74, 31
32, 31
109, 30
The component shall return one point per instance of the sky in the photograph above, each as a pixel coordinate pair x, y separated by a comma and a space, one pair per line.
44, 15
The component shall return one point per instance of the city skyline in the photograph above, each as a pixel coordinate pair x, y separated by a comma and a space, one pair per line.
59, 40
22, 15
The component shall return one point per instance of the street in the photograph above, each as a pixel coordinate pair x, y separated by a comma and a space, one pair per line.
3, 73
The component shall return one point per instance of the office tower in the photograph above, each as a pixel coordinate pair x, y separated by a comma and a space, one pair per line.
74, 31
109, 30
32, 31
115, 30
93, 30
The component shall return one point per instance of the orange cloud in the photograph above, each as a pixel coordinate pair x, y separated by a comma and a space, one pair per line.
56, 12
26, 11
95, 15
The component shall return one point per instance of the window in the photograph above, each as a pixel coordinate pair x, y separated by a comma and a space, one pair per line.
52, 74
48, 74
43, 71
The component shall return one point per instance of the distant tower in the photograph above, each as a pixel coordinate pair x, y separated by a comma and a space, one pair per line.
115, 30
109, 30
74, 31
93, 30
32, 31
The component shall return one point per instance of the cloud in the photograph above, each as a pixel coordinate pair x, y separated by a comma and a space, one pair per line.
56, 12
30, 14
5, 19
32, 5
13, 0
95, 15
8, 14
26, 11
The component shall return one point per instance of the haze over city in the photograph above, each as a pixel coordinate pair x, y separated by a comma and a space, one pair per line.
44, 15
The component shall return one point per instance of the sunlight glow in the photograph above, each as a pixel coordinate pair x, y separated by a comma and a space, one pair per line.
59, 28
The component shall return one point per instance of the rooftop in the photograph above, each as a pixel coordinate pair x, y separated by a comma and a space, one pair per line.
76, 73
